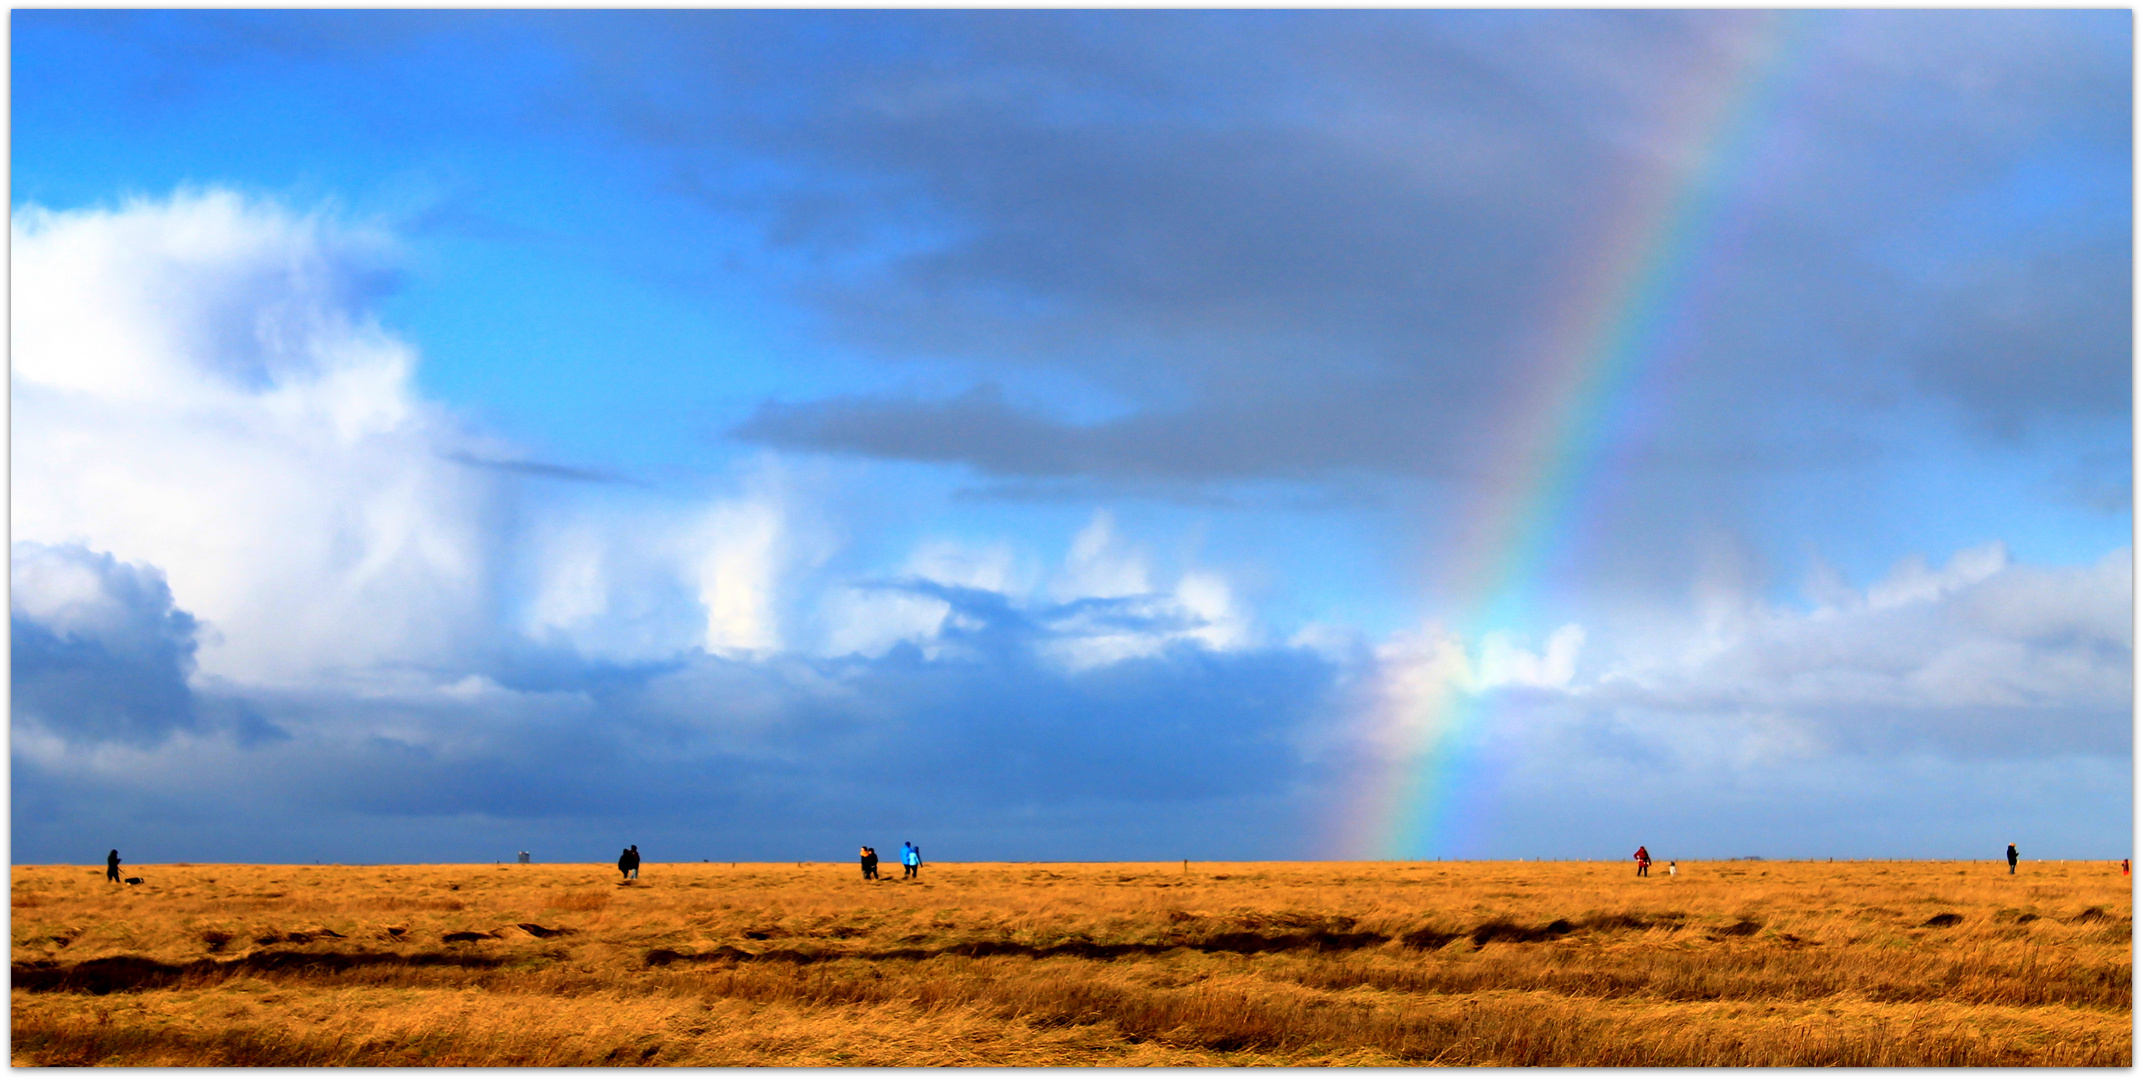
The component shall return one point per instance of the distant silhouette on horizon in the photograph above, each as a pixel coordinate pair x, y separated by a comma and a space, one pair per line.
111, 866
2012, 858
869, 857
911, 860
629, 863
1644, 861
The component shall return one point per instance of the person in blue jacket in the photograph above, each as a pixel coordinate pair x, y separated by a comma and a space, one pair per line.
911, 860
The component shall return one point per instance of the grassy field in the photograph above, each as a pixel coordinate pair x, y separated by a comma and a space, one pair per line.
1740, 963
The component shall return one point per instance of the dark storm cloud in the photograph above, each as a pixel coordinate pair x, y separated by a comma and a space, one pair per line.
1300, 242
1279, 281
99, 652
1185, 751
2032, 334
1244, 439
990, 723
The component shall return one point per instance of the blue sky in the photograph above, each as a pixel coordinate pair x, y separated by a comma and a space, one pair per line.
1043, 435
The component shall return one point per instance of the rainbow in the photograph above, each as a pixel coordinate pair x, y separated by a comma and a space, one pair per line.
1617, 331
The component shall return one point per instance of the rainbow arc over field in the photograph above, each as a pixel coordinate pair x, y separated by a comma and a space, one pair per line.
1637, 288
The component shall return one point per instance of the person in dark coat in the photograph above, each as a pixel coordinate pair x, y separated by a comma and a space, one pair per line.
1644, 861
2012, 858
111, 866
629, 863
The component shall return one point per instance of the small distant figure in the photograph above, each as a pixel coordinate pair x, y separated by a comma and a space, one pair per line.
869, 856
523, 858
2012, 858
111, 866
2124, 867
629, 863
1670, 867
911, 860
1644, 861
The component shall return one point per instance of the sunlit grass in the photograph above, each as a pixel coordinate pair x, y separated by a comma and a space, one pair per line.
1752, 963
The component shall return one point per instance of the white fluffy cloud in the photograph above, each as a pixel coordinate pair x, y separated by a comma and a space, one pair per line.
197, 388
1098, 606
1429, 660
1981, 632
200, 387
1200, 607
869, 618
1978, 656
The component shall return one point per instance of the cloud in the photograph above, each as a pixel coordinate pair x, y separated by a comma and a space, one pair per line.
1929, 710
210, 392
99, 652
736, 568
297, 613
266, 607
1979, 657
206, 392
1333, 244
736, 577
757, 756
1913, 636
543, 470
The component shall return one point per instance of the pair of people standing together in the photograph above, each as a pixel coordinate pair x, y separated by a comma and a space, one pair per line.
911, 861
1644, 863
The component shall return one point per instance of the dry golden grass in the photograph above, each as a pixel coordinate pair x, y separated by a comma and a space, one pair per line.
1745, 963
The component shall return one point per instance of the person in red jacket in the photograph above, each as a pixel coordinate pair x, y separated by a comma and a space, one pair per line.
1644, 861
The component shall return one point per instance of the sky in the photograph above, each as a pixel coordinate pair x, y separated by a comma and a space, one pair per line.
1070, 436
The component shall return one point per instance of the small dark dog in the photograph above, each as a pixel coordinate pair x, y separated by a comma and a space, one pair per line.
133, 881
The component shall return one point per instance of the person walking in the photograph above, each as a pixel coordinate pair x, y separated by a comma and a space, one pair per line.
634, 851
1644, 861
111, 866
911, 860
2012, 858
863, 859
1670, 867
629, 863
